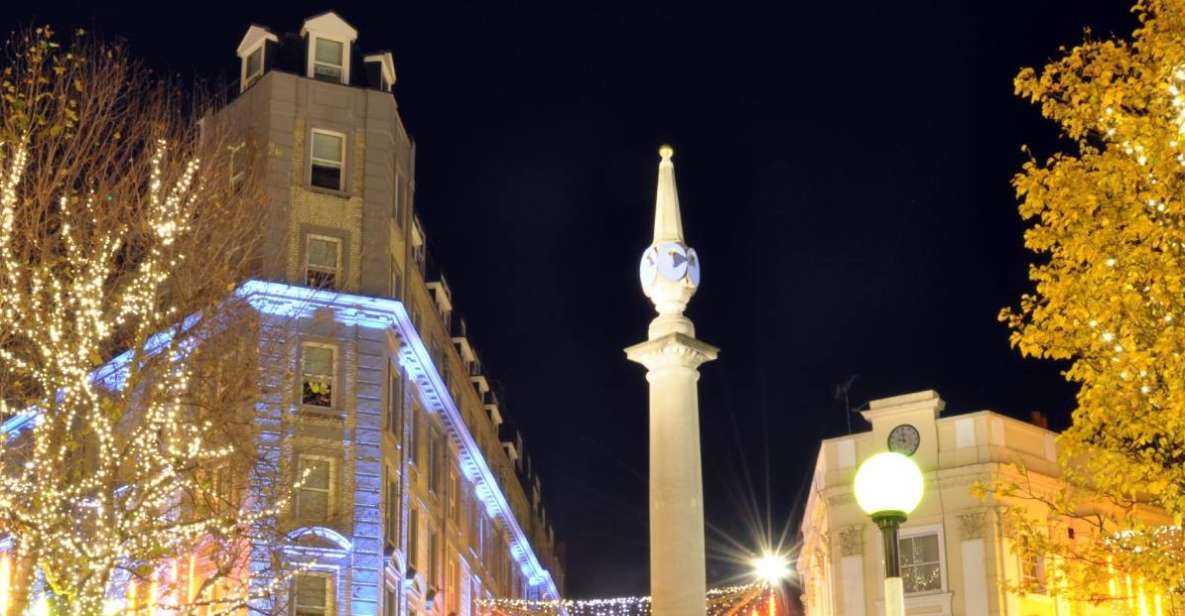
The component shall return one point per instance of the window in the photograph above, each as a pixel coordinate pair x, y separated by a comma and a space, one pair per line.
329, 60
416, 437
314, 498
396, 287
311, 595
921, 565
413, 537
236, 166
398, 197
322, 258
1032, 569
433, 559
394, 400
317, 375
328, 160
252, 67
390, 603
455, 496
434, 461
450, 584
392, 498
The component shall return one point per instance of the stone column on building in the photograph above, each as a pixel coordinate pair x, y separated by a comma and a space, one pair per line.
670, 274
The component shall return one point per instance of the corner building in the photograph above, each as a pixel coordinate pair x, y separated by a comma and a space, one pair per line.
957, 556
417, 497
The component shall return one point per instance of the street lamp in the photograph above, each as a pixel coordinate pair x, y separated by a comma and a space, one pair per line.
888, 488
771, 568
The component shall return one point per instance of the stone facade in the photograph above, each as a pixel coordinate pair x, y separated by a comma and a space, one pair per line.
957, 560
432, 505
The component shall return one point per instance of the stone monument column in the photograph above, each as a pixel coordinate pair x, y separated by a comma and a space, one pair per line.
670, 274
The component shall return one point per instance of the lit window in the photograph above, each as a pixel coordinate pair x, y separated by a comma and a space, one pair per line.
1032, 569
317, 368
322, 262
921, 566
253, 67
455, 496
313, 500
311, 595
329, 60
328, 160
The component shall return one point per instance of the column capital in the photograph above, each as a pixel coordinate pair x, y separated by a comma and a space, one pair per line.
672, 350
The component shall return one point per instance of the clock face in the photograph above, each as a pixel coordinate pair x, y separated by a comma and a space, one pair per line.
904, 439
672, 261
693, 267
648, 268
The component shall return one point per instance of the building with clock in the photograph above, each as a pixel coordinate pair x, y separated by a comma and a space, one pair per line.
956, 558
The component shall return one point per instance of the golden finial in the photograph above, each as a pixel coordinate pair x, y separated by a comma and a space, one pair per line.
666, 151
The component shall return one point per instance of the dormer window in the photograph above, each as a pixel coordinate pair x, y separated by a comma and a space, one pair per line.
253, 68
329, 38
380, 70
329, 60
251, 52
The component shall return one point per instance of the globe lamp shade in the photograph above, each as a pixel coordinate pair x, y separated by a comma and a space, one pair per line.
889, 483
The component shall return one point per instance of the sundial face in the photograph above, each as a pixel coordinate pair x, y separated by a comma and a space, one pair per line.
648, 268
672, 261
693, 267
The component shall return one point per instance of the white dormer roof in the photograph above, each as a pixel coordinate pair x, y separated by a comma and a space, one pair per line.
329, 25
253, 38
388, 65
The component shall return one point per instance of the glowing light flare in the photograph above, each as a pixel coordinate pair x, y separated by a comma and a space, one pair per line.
889, 482
771, 568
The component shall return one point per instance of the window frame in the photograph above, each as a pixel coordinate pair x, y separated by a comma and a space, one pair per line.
393, 511
330, 378
1031, 569
416, 438
330, 585
396, 210
923, 531
246, 80
233, 163
338, 271
413, 536
434, 460
314, 160
330, 491
344, 78
394, 411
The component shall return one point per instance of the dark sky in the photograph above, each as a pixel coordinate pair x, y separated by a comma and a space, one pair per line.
843, 169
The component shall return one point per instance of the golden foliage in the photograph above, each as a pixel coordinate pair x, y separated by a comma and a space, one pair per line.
1108, 221
125, 224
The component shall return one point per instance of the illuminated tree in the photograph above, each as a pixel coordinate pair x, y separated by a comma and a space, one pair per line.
128, 367
1108, 223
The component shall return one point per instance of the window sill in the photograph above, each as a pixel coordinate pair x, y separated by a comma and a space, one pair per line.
341, 194
327, 412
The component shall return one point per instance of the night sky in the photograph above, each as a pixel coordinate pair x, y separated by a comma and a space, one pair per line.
843, 170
